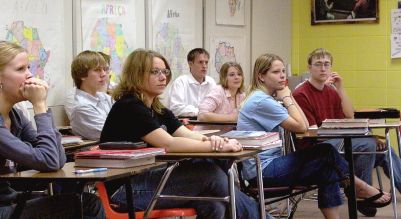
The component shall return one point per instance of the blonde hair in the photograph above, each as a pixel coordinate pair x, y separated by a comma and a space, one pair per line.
319, 53
262, 65
224, 71
8, 51
135, 73
84, 62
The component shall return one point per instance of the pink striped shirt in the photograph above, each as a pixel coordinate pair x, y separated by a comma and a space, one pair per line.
220, 101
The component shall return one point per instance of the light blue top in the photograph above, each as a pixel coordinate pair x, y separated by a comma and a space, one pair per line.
261, 112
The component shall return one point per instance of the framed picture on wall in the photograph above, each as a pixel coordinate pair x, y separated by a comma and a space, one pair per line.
344, 11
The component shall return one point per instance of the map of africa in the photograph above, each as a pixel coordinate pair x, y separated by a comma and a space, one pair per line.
224, 53
108, 37
169, 43
28, 37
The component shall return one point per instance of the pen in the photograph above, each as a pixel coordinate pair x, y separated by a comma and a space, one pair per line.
95, 170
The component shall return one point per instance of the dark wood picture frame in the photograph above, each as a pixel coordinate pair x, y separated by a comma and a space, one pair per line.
344, 11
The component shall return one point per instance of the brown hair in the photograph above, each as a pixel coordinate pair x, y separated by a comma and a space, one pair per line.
106, 57
262, 65
224, 71
319, 53
84, 62
8, 51
195, 52
135, 73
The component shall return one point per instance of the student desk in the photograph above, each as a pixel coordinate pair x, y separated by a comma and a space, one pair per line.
231, 156
70, 149
312, 135
31, 177
76, 146
222, 127
387, 126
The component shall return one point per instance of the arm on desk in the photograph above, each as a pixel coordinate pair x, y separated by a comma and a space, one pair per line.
296, 121
176, 143
39, 149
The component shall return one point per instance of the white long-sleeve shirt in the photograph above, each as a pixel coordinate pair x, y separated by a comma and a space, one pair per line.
88, 113
187, 93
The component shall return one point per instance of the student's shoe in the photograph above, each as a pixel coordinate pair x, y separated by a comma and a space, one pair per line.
370, 202
367, 211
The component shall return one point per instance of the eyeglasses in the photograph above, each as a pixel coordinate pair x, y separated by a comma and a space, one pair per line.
158, 72
320, 64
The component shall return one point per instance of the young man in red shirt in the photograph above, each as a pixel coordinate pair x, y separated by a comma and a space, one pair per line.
322, 97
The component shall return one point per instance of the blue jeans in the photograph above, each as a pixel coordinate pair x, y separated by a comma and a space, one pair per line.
363, 163
321, 165
197, 178
382, 160
59, 206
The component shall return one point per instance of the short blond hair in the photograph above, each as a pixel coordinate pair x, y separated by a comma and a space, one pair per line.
136, 71
319, 53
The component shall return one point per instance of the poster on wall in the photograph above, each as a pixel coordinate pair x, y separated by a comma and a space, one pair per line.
113, 27
226, 49
344, 11
230, 12
176, 28
38, 26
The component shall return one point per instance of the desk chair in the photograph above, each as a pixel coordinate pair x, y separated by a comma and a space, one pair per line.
293, 194
111, 213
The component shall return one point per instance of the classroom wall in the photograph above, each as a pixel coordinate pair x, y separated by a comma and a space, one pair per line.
267, 29
361, 54
271, 28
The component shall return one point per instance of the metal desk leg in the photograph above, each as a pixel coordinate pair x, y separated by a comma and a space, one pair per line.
260, 187
352, 197
232, 191
397, 130
130, 199
391, 171
159, 189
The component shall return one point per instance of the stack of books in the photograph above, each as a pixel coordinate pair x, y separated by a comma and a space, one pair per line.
259, 140
117, 158
344, 127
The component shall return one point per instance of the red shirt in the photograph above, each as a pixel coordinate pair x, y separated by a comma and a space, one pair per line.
318, 105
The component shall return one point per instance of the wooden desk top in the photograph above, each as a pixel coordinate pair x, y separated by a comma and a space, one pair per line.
312, 134
222, 128
385, 125
85, 143
214, 155
66, 173
197, 122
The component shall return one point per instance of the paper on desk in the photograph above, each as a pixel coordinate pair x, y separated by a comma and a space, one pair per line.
207, 131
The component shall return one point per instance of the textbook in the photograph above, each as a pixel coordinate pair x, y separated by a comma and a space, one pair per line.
117, 158
344, 127
253, 138
71, 139
114, 163
273, 144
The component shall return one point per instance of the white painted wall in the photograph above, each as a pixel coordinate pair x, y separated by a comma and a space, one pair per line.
271, 28
267, 29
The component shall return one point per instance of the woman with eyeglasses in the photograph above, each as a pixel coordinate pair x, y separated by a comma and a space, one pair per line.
138, 115
223, 101
321, 165
23, 147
